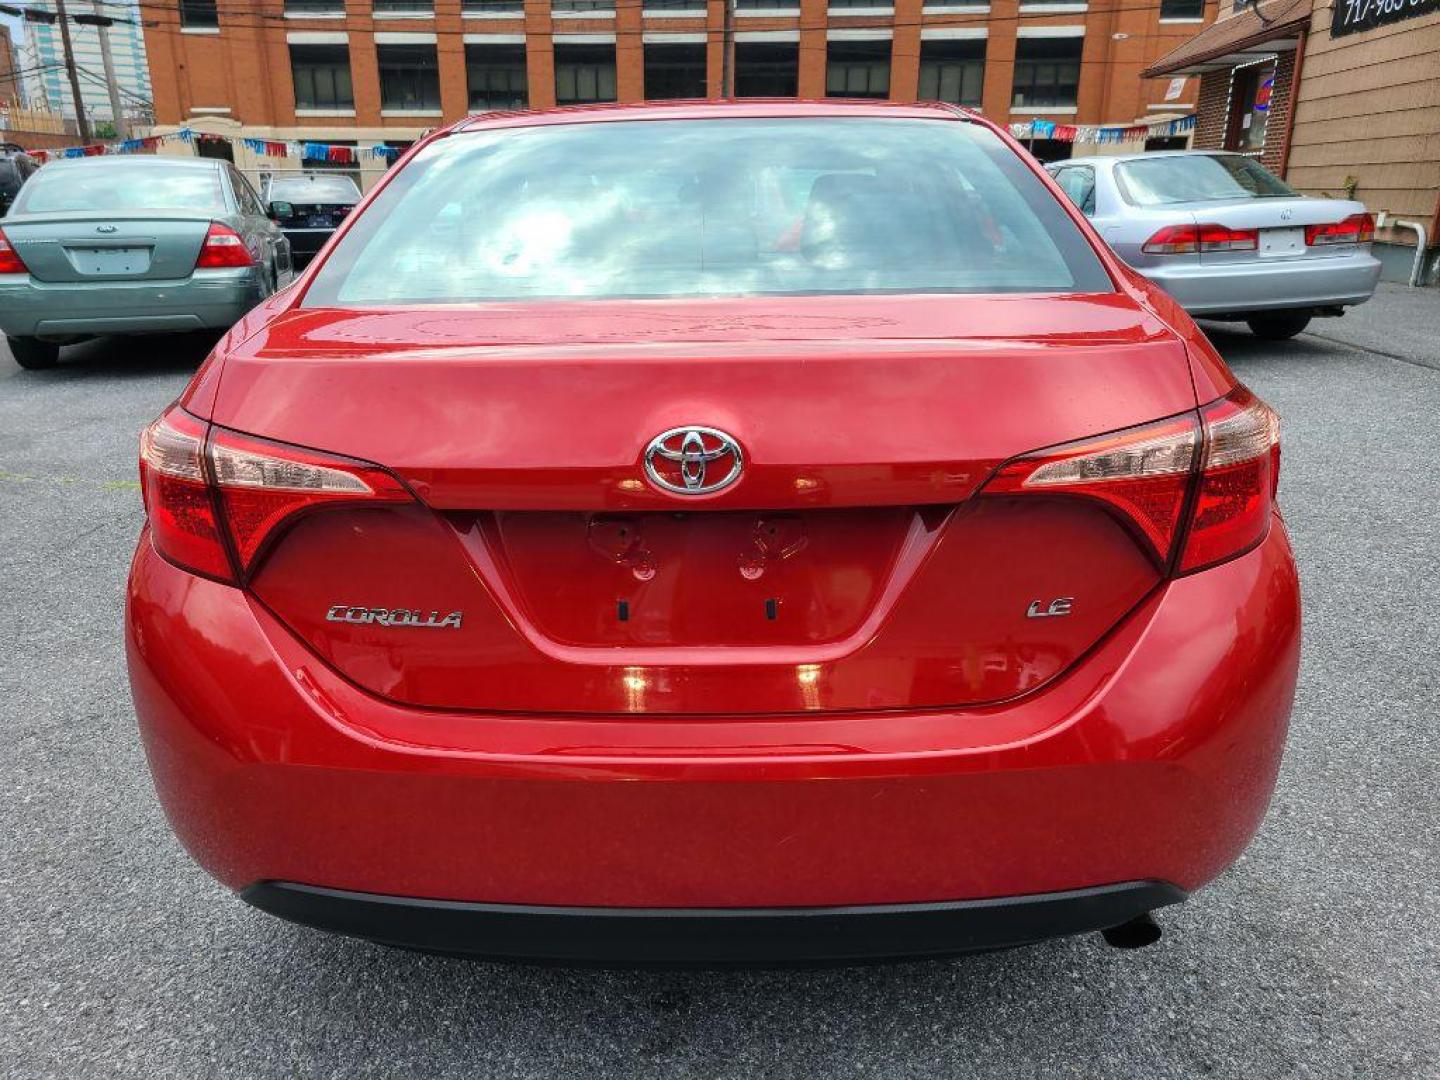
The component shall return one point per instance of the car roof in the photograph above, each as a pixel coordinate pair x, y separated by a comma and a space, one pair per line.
149, 160
1114, 159
297, 177
752, 108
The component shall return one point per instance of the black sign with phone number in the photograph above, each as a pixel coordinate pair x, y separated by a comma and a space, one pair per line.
1353, 16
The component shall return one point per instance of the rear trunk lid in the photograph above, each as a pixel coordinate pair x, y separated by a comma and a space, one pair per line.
76, 247
1280, 222
849, 568
320, 215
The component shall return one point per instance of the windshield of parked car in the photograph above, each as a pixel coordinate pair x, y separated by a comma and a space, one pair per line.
1159, 181
719, 207
121, 186
314, 189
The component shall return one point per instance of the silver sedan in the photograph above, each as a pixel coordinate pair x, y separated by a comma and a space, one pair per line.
1226, 238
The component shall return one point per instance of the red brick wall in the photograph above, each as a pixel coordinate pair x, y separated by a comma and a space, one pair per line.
246, 66
1212, 113
1280, 105
1212, 116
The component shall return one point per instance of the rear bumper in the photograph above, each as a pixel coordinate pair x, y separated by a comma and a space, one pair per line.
304, 243
1279, 284
208, 299
1152, 760
713, 937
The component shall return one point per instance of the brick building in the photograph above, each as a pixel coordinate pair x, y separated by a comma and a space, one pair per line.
10, 85
365, 71
1339, 97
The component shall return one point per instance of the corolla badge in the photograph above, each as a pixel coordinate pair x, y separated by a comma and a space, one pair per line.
394, 617
693, 460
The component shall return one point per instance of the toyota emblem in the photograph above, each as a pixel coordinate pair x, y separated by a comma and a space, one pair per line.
693, 460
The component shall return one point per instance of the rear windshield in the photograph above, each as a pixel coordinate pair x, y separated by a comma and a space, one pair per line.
121, 186
667, 208
314, 189
1160, 180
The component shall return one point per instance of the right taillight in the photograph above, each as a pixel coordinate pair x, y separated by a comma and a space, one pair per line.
1239, 475
1196, 491
215, 498
223, 247
10, 261
1355, 229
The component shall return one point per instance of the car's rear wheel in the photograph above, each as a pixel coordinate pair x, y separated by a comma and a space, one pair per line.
32, 353
1278, 326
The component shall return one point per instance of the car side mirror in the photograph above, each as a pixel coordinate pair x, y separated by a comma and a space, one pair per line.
277, 210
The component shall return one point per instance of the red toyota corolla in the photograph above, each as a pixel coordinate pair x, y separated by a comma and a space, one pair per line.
715, 533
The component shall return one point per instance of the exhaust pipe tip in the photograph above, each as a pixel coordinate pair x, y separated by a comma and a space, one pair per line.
1136, 934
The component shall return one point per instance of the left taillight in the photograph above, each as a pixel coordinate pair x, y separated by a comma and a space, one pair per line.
1199, 489
1190, 239
10, 261
262, 483
179, 504
215, 498
223, 247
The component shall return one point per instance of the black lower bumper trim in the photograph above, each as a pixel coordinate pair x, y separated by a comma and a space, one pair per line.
709, 936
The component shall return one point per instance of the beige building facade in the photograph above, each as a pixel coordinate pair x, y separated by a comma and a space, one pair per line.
1340, 97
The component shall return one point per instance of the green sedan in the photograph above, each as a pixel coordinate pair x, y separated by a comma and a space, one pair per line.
135, 245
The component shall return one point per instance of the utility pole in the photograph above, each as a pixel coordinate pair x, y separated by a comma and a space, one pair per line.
727, 53
80, 119
117, 108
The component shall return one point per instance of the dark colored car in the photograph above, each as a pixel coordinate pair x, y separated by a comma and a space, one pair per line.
16, 166
718, 533
309, 207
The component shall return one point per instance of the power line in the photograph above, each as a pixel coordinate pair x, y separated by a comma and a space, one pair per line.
852, 22
34, 69
95, 77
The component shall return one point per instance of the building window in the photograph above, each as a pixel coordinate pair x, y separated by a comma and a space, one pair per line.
322, 76
496, 77
1250, 96
952, 71
697, 6
214, 146
1048, 150
767, 5
562, 6
1183, 9
481, 8
675, 70
421, 8
857, 69
839, 5
199, 15
1047, 72
409, 77
584, 74
312, 8
767, 68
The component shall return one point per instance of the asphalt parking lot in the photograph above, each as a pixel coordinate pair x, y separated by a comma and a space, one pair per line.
1318, 954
